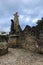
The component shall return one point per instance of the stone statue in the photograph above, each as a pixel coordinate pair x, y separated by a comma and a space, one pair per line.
16, 22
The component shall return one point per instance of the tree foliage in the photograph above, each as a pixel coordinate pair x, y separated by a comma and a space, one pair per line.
39, 24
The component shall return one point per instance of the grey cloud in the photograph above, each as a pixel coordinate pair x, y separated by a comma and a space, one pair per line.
31, 9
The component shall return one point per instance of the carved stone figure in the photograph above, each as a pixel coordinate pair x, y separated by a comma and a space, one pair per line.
16, 22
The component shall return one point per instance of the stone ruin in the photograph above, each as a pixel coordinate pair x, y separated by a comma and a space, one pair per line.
27, 38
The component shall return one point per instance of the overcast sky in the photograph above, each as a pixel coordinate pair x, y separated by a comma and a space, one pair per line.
29, 12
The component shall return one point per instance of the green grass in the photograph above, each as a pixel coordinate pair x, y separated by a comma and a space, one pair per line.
1, 44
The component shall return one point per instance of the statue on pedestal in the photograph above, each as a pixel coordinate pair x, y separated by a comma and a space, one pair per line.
14, 33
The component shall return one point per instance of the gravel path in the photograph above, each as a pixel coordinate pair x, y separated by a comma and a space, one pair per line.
21, 57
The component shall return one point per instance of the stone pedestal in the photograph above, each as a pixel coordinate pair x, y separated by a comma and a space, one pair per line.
13, 40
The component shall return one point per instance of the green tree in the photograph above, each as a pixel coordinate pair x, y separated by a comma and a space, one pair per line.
39, 24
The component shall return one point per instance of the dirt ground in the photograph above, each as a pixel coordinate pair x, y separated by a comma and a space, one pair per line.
21, 57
